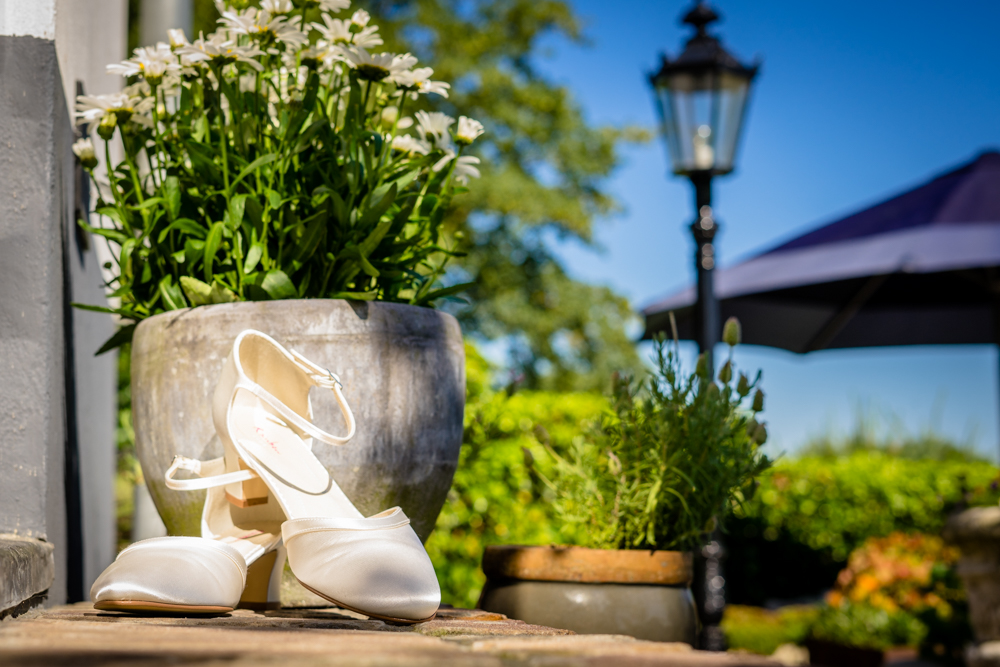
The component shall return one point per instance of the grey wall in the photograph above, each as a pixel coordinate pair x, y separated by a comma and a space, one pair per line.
33, 125
57, 401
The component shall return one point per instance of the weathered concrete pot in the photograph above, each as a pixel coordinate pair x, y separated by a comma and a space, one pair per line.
645, 594
976, 532
403, 370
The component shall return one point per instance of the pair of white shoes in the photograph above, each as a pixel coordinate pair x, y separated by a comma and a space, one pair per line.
269, 497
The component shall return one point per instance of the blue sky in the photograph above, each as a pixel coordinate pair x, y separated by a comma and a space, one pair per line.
856, 101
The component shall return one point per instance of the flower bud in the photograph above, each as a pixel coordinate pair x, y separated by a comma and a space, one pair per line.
731, 333
701, 368
390, 115
751, 426
177, 38
712, 391
84, 151
726, 373
743, 386
107, 127
760, 434
758, 401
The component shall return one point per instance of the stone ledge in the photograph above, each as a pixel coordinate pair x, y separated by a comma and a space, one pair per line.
27, 569
79, 635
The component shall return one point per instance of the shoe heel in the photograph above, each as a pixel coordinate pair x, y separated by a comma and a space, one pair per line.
263, 589
248, 493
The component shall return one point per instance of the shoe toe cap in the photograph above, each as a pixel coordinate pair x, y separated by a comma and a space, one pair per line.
188, 572
386, 575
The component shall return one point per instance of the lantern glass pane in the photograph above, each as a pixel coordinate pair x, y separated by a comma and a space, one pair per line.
701, 117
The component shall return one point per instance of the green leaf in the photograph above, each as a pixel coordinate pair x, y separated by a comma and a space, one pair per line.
253, 256
95, 309
236, 207
122, 336
315, 226
113, 213
274, 199
356, 296
112, 234
149, 203
277, 285
221, 294
369, 245
379, 205
198, 293
211, 247
253, 166
170, 294
443, 292
185, 225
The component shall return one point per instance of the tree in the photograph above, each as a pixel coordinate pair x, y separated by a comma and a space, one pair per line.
544, 171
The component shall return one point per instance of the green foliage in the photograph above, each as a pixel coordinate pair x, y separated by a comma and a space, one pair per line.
564, 335
833, 505
865, 626
671, 456
275, 175
762, 631
495, 499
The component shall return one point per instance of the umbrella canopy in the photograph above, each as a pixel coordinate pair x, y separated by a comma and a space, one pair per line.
921, 268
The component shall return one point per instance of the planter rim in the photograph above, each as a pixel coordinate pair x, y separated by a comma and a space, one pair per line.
179, 312
585, 565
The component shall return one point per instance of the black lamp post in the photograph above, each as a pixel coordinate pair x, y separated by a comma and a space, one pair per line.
702, 98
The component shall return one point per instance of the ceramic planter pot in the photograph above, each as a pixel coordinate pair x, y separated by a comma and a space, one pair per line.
645, 594
403, 370
976, 532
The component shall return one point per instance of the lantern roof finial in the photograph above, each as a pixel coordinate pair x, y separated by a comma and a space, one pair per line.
700, 16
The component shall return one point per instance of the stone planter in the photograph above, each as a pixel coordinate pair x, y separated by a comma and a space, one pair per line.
403, 370
977, 533
645, 594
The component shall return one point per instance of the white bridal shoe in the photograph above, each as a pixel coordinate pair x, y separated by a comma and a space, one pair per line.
375, 565
239, 565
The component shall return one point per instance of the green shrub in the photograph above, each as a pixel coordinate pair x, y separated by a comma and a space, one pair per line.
835, 504
669, 458
762, 631
495, 499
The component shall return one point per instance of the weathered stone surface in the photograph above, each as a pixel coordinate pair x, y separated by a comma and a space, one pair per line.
79, 635
27, 568
977, 533
403, 370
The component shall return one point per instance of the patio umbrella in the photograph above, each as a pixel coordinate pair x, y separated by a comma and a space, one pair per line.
921, 268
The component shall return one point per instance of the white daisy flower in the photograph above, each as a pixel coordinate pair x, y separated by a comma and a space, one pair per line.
433, 127
419, 81
468, 130
177, 38
221, 51
334, 5
277, 7
107, 111
361, 18
338, 31
377, 66
264, 28
463, 166
84, 151
150, 62
410, 145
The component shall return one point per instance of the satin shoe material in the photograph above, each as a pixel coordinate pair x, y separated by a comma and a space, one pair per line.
375, 565
183, 571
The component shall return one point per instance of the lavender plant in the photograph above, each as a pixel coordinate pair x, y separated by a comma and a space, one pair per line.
673, 453
274, 159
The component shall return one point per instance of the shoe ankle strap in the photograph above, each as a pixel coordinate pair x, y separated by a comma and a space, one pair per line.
320, 377
194, 466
